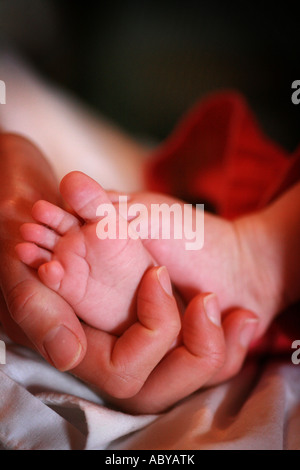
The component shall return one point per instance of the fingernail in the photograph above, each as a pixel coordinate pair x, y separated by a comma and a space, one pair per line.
212, 309
164, 280
247, 332
63, 347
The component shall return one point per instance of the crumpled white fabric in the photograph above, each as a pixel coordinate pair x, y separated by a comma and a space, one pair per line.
258, 410
44, 409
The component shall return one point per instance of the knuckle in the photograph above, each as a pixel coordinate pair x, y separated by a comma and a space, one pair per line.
122, 385
18, 300
216, 359
159, 314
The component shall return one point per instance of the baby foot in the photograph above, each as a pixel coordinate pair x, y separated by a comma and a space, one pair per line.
98, 278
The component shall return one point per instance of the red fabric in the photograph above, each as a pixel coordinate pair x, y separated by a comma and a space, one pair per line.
218, 153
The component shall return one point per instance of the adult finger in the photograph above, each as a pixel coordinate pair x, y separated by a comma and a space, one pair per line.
239, 327
190, 365
12, 330
47, 320
120, 366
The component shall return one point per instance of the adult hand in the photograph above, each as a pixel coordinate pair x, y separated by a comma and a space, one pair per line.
30, 313
143, 370
164, 357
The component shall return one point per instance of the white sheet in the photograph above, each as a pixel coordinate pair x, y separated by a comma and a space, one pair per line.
41, 408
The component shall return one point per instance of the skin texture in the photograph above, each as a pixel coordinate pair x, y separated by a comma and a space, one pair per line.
98, 278
135, 369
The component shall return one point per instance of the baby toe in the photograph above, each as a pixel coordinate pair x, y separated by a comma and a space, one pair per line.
51, 274
40, 235
32, 255
54, 217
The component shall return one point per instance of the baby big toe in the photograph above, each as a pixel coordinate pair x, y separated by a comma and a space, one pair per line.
83, 194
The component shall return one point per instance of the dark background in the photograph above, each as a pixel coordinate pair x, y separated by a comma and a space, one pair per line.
144, 63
